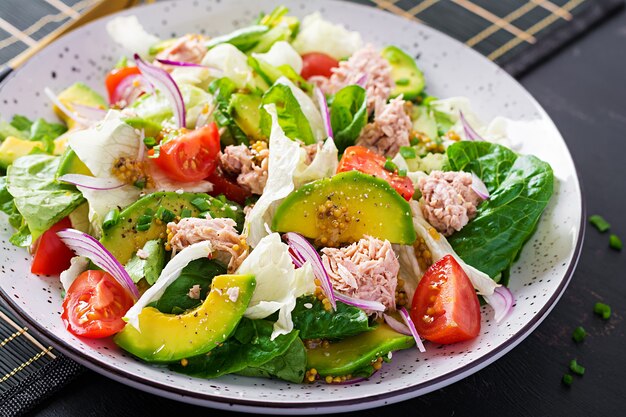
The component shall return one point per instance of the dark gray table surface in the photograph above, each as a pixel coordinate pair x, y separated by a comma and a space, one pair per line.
583, 89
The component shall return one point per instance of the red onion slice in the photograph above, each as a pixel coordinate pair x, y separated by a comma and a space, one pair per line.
397, 325
407, 319
362, 304
89, 112
214, 72
303, 250
479, 187
72, 115
163, 81
501, 301
130, 89
321, 101
362, 81
470, 133
85, 245
92, 183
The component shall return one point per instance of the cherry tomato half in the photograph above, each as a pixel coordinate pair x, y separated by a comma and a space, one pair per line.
445, 306
317, 63
229, 188
359, 158
192, 156
51, 255
119, 80
95, 304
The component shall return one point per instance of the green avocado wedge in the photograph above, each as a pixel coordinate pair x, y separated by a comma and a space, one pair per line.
407, 77
363, 204
169, 337
124, 238
355, 355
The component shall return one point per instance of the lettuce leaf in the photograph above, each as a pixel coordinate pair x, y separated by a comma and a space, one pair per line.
348, 115
520, 188
290, 366
315, 322
222, 90
319, 35
290, 116
127, 32
234, 64
282, 53
39, 198
150, 267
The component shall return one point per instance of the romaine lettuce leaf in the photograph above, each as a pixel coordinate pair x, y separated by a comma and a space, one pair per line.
309, 109
290, 116
348, 115
520, 187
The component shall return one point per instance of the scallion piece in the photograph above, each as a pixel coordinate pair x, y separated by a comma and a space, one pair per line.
111, 219
576, 368
164, 215
402, 172
201, 204
603, 310
140, 183
568, 379
389, 166
142, 227
150, 142
143, 222
414, 141
403, 81
408, 152
579, 334
599, 223
615, 242
185, 213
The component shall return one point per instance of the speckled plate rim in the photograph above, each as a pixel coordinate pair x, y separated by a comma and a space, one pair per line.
377, 400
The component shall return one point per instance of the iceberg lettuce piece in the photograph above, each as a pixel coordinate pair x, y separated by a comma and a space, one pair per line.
319, 35
127, 32
324, 164
282, 53
278, 282
234, 64
309, 109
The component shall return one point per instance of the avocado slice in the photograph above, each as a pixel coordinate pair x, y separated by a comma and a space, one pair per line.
123, 239
71, 164
149, 128
12, 148
407, 77
171, 337
245, 110
366, 205
355, 355
78, 93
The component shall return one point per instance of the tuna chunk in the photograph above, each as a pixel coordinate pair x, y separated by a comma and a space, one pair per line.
448, 201
366, 62
389, 131
249, 166
231, 248
367, 269
188, 48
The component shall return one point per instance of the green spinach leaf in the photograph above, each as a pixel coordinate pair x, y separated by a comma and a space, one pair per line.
176, 300
22, 123
290, 366
290, 116
314, 322
46, 133
520, 188
38, 197
149, 268
348, 115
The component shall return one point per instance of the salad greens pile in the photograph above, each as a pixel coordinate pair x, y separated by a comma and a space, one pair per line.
270, 202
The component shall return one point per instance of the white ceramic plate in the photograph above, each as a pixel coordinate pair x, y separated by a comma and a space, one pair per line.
538, 278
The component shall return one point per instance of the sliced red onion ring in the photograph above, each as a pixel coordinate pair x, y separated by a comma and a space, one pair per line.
501, 301
163, 81
362, 81
470, 133
304, 251
214, 72
92, 183
397, 325
407, 319
362, 304
89, 112
72, 115
321, 100
479, 187
85, 245
130, 88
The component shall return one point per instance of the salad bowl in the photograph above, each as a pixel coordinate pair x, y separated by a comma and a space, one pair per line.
538, 278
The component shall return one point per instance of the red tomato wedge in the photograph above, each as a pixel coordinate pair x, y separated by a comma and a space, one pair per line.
51, 255
445, 306
359, 158
95, 304
317, 63
229, 188
192, 156
118, 78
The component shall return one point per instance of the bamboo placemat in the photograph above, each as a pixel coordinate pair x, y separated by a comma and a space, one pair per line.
516, 34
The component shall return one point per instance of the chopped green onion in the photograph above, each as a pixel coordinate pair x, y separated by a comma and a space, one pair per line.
599, 223
389, 166
414, 141
576, 368
408, 152
165, 215
143, 222
185, 213
157, 152
111, 219
403, 81
142, 227
567, 379
615, 242
579, 334
603, 310
402, 172
150, 142
140, 183
201, 204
